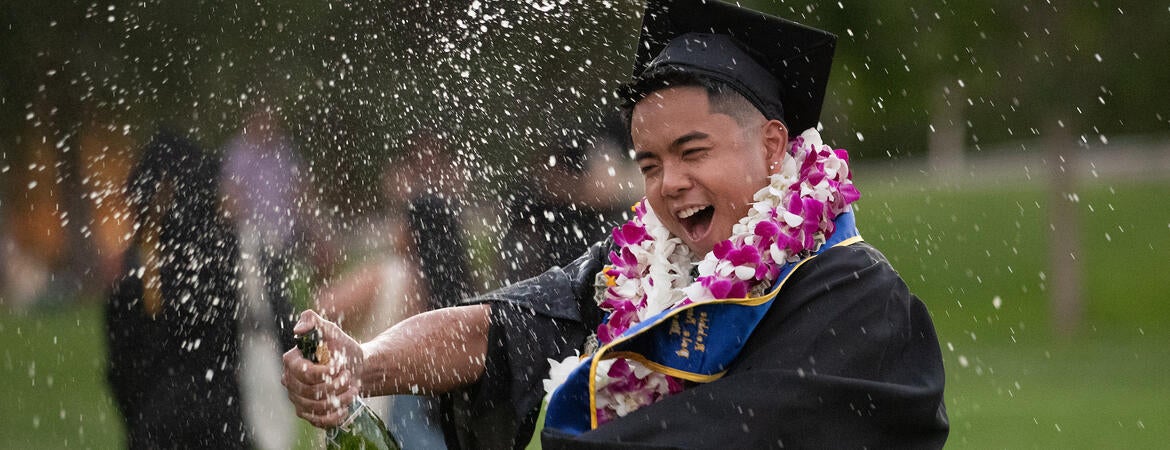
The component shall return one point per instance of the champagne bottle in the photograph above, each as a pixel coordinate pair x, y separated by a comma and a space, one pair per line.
362, 429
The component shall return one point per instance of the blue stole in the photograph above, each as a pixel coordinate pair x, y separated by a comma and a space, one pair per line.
695, 342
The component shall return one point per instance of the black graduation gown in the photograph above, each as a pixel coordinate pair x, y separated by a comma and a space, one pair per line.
442, 256
173, 375
845, 358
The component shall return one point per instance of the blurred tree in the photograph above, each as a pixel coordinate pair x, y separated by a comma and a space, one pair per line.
502, 78
499, 70
498, 79
1012, 66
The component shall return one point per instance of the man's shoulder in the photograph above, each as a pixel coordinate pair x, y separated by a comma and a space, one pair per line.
861, 252
847, 282
858, 260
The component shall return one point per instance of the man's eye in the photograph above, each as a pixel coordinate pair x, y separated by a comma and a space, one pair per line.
691, 153
647, 169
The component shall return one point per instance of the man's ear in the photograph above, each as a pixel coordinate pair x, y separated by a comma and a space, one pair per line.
775, 137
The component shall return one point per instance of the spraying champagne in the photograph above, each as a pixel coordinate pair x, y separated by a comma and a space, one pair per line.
362, 429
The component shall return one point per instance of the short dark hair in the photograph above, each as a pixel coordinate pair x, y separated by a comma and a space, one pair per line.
723, 98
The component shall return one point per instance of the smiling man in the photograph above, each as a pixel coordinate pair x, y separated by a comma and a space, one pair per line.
702, 158
739, 308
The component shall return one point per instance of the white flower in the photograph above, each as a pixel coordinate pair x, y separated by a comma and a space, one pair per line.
812, 138
697, 293
762, 208
835, 167
640, 371
788, 176
792, 220
724, 268
659, 233
627, 402
707, 265
625, 287
761, 194
821, 192
558, 372
658, 298
777, 254
656, 382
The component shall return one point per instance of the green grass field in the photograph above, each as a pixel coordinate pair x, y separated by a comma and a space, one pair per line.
1011, 382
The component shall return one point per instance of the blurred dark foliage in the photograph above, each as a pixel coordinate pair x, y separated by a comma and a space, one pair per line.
352, 78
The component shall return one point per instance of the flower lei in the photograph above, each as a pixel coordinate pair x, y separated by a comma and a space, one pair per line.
651, 270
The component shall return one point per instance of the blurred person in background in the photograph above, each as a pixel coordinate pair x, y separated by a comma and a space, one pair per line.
574, 192
107, 156
171, 315
426, 266
263, 183
388, 285
38, 270
432, 183
264, 193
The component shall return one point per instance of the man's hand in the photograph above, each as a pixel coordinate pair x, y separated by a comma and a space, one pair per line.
322, 393
429, 353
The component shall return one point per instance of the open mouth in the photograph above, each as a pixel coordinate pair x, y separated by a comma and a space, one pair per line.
696, 221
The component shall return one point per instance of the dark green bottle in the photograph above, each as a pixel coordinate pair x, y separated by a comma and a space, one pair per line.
362, 429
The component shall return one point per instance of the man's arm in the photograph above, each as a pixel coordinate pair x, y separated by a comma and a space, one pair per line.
548, 316
431, 352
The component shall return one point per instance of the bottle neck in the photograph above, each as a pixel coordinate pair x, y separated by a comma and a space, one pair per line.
355, 410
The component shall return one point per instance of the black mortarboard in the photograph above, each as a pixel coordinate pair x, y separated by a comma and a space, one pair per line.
782, 67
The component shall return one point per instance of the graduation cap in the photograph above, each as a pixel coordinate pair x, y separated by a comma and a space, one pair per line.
780, 66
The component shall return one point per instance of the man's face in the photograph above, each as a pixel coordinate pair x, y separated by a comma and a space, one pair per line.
700, 167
